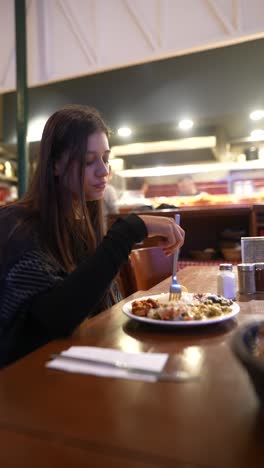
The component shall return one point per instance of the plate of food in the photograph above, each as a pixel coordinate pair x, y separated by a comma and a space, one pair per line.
192, 309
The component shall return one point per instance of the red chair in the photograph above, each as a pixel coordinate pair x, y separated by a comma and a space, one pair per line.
149, 266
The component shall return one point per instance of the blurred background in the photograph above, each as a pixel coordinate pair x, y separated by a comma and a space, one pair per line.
180, 83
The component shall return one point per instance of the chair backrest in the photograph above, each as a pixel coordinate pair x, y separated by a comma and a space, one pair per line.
150, 266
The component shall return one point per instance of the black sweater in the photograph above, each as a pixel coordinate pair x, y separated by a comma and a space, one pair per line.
39, 301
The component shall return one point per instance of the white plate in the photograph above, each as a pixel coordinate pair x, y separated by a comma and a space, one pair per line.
177, 323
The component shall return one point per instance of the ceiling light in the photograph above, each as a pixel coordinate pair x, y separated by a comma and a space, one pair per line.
257, 114
163, 146
124, 131
185, 124
190, 169
257, 134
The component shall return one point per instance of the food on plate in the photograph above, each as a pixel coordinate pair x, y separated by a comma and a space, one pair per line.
190, 307
142, 307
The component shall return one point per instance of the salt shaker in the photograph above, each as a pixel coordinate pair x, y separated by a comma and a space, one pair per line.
226, 281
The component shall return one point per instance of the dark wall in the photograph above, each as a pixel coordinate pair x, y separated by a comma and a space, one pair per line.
225, 81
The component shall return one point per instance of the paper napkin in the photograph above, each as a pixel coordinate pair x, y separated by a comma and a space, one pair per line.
144, 361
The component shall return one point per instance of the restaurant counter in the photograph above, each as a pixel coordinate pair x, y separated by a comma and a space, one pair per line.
204, 225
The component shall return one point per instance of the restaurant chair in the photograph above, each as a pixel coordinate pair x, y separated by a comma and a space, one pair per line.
149, 266
126, 280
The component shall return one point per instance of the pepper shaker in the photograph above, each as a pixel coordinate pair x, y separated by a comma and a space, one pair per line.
246, 278
259, 277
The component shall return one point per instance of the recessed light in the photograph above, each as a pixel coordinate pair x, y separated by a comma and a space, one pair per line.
124, 131
185, 124
257, 114
257, 134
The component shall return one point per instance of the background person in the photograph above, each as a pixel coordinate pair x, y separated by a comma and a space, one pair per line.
135, 194
187, 186
110, 197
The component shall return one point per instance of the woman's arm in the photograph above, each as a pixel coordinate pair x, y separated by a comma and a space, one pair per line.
65, 306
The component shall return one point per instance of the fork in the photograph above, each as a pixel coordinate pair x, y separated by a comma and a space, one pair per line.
175, 287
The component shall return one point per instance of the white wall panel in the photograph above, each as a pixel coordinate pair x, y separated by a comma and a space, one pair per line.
253, 16
70, 38
7, 45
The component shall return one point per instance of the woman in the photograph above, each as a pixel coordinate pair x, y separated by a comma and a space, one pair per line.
57, 268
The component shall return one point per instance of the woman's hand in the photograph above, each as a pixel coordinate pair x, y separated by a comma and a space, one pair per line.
171, 232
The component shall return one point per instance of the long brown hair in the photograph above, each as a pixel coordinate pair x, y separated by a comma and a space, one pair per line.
62, 223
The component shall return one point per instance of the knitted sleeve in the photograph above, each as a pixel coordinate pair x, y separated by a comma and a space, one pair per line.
32, 274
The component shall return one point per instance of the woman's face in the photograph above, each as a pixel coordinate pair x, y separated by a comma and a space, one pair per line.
96, 169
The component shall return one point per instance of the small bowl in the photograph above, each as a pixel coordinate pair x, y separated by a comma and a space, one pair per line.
242, 345
231, 255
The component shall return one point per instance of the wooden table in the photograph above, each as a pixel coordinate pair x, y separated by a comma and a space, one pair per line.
56, 419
